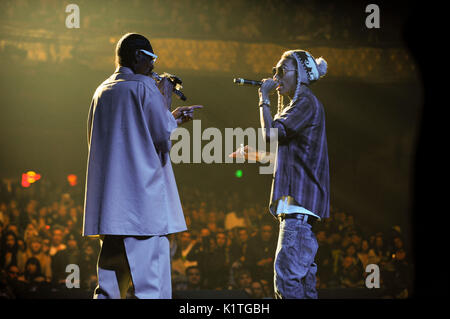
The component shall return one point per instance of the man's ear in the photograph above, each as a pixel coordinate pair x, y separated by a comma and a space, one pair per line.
136, 56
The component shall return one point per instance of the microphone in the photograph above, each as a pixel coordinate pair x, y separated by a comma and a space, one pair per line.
241, 81
176, 81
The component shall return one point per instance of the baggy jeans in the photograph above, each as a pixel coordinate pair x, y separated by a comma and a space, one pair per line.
295, 270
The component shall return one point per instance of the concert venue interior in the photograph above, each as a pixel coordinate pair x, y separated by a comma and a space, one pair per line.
372, 96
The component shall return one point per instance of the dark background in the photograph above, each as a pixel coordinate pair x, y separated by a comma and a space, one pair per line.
372, 126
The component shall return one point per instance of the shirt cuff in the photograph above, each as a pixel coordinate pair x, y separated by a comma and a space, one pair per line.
172, 124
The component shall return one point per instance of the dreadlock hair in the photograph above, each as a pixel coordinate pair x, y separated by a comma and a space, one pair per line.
289, 55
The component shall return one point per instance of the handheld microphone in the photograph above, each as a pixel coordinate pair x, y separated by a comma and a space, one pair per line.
241, 81
176, 81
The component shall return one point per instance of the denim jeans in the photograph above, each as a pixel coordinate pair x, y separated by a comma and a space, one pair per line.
295, 270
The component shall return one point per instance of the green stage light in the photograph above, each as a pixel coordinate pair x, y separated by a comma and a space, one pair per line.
238, 173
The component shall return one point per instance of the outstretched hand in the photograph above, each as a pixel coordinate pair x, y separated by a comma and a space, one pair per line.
247, 152
183, 114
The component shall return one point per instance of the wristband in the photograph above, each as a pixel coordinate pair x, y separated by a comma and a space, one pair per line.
265, 101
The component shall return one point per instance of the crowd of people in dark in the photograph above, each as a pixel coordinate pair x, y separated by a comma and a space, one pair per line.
230, 245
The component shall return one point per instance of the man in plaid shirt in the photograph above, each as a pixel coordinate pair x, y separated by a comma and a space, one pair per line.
300, 189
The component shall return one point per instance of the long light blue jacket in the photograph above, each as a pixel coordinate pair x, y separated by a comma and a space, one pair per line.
130, 185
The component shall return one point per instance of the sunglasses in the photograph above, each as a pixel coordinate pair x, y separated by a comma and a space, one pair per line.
148, 53
280, 71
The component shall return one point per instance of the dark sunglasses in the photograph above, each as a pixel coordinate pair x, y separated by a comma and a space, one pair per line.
280, 71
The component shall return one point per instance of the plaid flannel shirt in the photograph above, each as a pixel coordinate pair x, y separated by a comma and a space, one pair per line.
301, 164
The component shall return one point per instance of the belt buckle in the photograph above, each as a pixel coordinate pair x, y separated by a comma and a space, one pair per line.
305, 218
302, 217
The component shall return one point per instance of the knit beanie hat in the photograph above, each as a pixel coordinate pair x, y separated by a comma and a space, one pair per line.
310, 69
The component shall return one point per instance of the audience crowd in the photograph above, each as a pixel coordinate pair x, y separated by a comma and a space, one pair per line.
230, 245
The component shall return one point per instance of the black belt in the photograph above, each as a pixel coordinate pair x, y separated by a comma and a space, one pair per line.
304, 217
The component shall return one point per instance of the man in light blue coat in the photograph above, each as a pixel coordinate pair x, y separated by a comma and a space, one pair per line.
131, 200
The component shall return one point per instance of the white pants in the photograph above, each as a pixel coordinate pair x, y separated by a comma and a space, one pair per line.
145, 260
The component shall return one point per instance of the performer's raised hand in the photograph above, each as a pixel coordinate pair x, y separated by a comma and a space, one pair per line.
268, 85
165, 87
